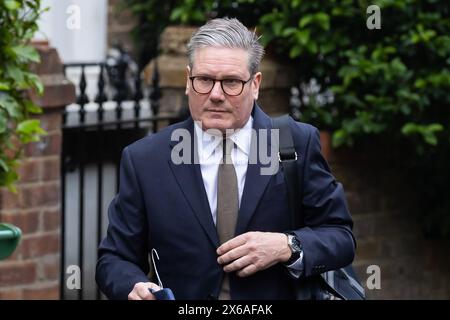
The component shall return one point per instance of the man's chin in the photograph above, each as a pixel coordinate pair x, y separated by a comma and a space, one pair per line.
218, 124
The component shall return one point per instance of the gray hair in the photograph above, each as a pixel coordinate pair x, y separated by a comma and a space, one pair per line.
227, 33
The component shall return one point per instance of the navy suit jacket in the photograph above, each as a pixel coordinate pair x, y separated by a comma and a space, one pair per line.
164, 206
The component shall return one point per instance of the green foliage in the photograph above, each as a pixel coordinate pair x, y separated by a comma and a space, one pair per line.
17, 26
388, 81
392, 82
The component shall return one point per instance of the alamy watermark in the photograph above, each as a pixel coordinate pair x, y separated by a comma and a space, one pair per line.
262, 149
73, 22
373, 282
374, 20
73, 281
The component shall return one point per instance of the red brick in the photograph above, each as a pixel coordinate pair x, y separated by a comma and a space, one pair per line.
40, 245
367, 249
325, 142
56, 94
43, 292
9, 200
51, 219
28, 222
11, 294
50, 169
29, 170
51, 120
38, 195
18, 272
51, 267
49, 145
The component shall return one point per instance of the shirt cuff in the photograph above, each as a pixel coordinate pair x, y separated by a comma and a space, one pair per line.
295, 269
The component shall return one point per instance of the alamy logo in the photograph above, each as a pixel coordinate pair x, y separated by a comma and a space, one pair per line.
186, 151
374, 280
74, 279
73, 22
374, 20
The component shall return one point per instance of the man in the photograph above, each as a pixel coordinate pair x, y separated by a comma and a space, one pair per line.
221, 228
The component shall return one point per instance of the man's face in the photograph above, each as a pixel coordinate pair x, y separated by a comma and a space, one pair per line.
217, 110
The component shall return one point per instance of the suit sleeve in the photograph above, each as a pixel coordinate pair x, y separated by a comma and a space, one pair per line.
123, 254
327, 237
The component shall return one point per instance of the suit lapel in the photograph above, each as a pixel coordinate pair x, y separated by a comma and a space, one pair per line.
188, 176
255, 182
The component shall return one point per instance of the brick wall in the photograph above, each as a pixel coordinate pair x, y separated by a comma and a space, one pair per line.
386, 226
32, 272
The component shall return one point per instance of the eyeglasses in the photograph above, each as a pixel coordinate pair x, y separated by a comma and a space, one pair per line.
231, 87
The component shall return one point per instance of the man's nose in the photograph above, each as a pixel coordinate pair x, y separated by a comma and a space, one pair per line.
217, 93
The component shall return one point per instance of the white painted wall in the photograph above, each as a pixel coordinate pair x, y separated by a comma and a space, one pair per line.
77, 28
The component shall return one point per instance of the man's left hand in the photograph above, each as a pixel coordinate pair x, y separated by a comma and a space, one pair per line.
251, 252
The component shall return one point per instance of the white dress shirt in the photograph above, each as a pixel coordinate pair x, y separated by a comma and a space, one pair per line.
210, 152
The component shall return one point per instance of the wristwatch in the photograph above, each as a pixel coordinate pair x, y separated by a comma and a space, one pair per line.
295, 246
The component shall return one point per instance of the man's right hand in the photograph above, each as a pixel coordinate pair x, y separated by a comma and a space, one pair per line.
141, 291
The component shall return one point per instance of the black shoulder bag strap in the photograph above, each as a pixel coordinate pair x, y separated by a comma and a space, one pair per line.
288, 160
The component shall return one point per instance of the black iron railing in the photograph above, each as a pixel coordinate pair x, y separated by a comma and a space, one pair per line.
91, 139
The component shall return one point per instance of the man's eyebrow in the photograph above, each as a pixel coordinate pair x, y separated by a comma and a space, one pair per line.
234, 76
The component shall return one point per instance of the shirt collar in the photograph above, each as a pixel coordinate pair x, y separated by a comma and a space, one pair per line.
208, 142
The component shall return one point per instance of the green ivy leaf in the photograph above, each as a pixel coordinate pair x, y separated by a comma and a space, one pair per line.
341, 137
288, 32
30, 131
35, 82
11, 177
428, 132
32, 108
430, 138
3, 123
305, 20
4, 86
295, 51
295, 3
312, 47
26, 53
302, 36
10, 105
323, 20
176, 14
15, 73
12, 4
29, 126
3, 165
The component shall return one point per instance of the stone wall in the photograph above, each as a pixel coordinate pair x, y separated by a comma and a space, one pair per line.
32, 272
120, 25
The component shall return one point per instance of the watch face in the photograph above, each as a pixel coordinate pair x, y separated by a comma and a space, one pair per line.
296, 245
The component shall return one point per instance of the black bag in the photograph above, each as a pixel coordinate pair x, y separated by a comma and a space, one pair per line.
340, 284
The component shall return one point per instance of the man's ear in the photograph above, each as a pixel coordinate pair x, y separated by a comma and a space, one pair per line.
188, 72
256, 82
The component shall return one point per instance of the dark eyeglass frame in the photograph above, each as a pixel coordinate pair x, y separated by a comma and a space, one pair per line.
192, 78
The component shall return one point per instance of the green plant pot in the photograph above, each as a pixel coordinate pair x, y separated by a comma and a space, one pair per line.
9, 239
